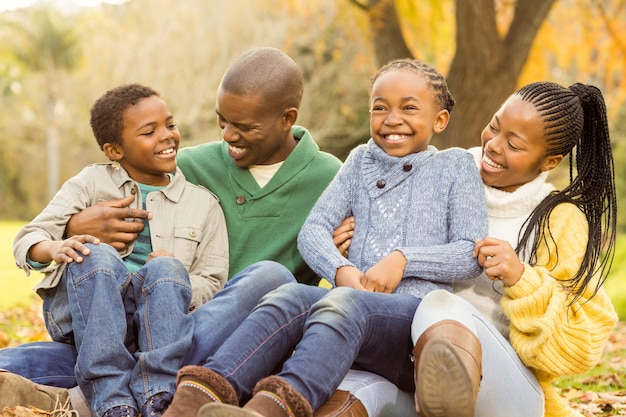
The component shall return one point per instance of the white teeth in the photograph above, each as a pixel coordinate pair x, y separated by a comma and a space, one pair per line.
236, 150
396, 137
167, 151
490, 163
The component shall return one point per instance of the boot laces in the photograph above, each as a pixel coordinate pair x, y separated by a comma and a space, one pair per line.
63, 409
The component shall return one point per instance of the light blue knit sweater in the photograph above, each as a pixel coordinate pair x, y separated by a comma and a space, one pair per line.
428, 205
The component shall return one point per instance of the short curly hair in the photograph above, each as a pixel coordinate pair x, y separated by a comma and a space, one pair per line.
107, 113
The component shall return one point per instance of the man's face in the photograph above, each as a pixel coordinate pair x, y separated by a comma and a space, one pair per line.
257, 133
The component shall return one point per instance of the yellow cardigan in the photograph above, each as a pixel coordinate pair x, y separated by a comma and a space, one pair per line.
551, 338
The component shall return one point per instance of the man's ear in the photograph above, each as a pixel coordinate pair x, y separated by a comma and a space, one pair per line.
113, 152
290, 115
551, 162
441, 121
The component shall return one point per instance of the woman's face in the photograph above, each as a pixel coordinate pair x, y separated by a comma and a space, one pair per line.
514, 146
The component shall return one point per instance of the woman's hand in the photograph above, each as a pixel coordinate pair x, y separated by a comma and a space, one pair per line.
499, 259
386, 274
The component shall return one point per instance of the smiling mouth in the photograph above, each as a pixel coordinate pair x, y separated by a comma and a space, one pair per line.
396, 137
237, 150
167, 151
490, 163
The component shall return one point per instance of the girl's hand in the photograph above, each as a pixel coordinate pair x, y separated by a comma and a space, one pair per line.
499, 259
349, 276
386, 274
343, 234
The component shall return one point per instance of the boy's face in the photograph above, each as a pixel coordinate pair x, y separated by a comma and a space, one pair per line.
404, 114
257, 133
149, 142
514, 146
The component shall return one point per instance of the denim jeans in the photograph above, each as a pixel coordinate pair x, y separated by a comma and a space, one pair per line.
131, 331
330, 330
52, 363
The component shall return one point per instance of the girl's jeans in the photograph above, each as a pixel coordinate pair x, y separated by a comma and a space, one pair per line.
330, 330
131, 331
52, 363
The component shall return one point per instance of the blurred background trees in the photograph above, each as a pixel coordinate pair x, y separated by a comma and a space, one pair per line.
55, 62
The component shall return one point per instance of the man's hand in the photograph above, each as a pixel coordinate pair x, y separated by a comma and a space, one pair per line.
113, 222
386, 274
157, 253
62, 251
342, 236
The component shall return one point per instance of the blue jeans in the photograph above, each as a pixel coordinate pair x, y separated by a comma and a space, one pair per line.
52, 363
131, 331
330, 331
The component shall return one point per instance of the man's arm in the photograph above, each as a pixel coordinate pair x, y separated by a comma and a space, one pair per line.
112, 222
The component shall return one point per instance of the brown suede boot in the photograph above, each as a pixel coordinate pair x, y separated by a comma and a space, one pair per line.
272, 397
448, 368
195, 387
341, 404
16, 390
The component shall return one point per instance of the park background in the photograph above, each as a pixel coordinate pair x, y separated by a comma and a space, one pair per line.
57, 57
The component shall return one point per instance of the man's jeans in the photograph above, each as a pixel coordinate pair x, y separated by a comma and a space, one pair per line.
131, 331
52, 363
330, 331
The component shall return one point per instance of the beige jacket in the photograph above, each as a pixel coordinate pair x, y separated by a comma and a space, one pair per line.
187, 220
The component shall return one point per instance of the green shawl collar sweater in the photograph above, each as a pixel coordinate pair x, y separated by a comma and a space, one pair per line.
263, 223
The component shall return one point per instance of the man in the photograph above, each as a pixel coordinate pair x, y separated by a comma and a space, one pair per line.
267, 173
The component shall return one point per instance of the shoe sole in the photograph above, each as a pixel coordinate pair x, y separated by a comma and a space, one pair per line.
225, 410
444, 388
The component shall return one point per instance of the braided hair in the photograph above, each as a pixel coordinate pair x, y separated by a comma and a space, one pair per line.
575, 117
435, 80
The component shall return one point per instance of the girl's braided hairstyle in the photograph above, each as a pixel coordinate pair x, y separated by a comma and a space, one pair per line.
432, 76
575, 117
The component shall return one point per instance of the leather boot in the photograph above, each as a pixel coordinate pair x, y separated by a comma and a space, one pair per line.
448, 370
272, 397
341, 404
16, 390
195, 387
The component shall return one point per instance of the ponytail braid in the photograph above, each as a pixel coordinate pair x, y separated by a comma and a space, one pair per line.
575, 122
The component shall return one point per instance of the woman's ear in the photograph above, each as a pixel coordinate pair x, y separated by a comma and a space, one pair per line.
550, 162
113, 152
441, 121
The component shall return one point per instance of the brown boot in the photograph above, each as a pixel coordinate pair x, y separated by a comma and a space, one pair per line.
273, 397
16, 390
195, 387
448, 370
341, 404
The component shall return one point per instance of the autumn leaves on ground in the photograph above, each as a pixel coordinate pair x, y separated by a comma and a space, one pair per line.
600, 392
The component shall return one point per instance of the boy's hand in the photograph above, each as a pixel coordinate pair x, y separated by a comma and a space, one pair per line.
343, 234
349, 276
499, 259
386, 274
157, 253
111, 221
63, 251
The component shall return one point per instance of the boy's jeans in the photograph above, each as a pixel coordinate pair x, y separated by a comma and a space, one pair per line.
52, 363
131, 331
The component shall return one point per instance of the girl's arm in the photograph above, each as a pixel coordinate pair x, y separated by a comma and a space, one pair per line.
549, 333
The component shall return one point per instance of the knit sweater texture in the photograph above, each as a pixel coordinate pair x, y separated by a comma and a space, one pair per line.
263, 223
552, 337
428, 205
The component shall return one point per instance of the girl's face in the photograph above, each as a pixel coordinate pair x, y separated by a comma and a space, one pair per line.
514, 146
149, 142
404, 113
